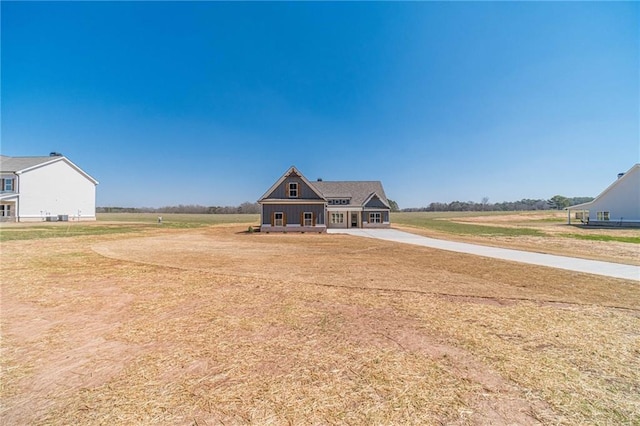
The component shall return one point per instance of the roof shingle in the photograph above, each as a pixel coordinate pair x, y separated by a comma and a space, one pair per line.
15, 164
357, 191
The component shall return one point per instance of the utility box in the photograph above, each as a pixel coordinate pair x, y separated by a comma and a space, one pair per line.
52, 218
63, 217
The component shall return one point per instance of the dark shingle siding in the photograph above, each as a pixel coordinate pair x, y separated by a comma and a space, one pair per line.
293, 212
304, 191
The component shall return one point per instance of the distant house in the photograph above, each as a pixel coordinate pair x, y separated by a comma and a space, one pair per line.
618, 205
294, 204
45, 188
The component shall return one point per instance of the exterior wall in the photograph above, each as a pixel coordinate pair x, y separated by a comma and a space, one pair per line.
293, 213
622, 201
56, 189
304, 191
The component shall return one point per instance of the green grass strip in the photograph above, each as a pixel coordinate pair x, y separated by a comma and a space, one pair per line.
598, 237
37, 232
469, 229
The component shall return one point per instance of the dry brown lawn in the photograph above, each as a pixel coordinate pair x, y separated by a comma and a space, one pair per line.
214, 326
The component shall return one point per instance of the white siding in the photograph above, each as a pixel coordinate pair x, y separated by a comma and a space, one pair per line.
621, 200
56, 189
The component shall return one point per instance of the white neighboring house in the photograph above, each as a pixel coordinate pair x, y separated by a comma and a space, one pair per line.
618, 205
45, 188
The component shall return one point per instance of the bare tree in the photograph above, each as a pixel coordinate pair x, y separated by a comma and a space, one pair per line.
484, 201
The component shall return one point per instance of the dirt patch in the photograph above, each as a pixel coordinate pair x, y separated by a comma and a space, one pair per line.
397, 267
213, 326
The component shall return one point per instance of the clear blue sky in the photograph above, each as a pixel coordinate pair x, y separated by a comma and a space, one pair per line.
209, 103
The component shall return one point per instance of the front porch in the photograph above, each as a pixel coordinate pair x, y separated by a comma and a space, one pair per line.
350, 218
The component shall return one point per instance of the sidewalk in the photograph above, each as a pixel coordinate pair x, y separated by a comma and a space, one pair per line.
615, 270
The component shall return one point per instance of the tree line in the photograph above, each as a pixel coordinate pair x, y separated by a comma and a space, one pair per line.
557, 202
248, 208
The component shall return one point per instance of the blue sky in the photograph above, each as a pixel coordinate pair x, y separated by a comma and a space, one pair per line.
209, 103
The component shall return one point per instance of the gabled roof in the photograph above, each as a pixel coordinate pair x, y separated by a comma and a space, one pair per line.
359, 192
635, 169
292, 170
18, 165
375, 194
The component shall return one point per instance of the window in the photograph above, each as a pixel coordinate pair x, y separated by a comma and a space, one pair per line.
337, 217
602, 215
375, 218
278, 219
5, 210
308, 219
7, 185
293, 190
336, 201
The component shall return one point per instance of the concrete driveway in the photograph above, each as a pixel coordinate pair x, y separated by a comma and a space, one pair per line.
609, 269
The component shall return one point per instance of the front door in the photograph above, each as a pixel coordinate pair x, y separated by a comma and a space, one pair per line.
354, 220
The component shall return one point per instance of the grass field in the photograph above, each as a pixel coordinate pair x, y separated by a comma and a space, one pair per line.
545, 231
179, 220
520, 224
119, 223
196, 321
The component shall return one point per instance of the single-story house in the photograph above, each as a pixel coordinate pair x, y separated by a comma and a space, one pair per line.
618, 205
45, 188
295, 204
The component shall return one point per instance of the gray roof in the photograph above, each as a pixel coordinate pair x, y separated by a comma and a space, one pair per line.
19, 164
357, 191
15, 164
